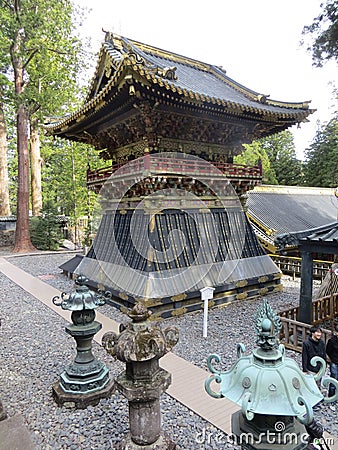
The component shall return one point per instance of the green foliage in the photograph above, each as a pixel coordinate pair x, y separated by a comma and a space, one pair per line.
46, 229
324, 32
321, 158
52, 57
51, 54
278, 157
64, 170
280, 149
253, 155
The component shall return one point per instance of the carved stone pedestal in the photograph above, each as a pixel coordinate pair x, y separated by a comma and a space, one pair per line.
162, 443
140, 345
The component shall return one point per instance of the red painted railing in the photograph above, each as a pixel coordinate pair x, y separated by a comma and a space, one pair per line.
161, 164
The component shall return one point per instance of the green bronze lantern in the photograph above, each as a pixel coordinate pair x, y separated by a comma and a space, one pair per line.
86, 380
275, 396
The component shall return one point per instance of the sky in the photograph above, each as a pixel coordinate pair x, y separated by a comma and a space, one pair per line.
257, 42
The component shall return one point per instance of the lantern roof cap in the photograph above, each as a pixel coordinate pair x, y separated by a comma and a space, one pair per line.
266, 381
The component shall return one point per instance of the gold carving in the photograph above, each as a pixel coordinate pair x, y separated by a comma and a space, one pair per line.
179, 312
263, 279
241, 283
263, 291
123, 296
178, 297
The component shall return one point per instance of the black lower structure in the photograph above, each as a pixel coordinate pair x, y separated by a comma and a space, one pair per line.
167, 257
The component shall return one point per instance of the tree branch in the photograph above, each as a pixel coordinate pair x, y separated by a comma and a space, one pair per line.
31, 56
9, 5
57, 51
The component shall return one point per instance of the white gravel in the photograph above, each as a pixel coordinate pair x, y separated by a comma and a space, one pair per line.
34, 350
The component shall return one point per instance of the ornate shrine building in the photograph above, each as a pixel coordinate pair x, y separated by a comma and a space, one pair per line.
173, 202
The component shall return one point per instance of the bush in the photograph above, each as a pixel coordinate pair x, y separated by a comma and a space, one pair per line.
46, 229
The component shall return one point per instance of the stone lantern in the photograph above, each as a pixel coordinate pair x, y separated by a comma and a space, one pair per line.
140, 345
275, 396
86, 380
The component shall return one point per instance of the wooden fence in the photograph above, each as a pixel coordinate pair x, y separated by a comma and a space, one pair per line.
293, 333
292, 265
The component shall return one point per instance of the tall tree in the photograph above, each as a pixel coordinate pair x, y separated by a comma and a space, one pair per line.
321, 158
255, 154
5, 209
17, 52
324, 34
64, 175
37, 35
36, 161
277, 154
54, 82
281, 152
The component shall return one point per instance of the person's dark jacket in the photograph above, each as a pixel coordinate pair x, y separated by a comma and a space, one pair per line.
332, 349
310, 349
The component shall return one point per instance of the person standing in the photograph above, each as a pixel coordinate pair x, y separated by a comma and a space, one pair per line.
313, 346
332, 353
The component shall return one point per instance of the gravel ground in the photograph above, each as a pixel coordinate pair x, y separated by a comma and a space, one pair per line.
35, 349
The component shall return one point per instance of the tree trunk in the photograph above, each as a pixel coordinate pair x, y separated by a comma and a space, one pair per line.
22, 235
35, 160
4, 187
22, 242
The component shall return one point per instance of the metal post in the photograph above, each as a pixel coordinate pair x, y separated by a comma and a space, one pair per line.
86, 380
305, 300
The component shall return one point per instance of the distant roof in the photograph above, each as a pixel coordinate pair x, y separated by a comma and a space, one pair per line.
286, 209
124, 62
281, 210
324, 238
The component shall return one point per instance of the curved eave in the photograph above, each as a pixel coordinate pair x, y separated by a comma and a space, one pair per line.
100, 62
93, 105
298, 111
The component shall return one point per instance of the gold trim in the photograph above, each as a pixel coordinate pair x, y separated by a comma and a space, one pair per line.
178, 297
263, 291
263, 279
123, 296
179, 312
124, 310
241, 283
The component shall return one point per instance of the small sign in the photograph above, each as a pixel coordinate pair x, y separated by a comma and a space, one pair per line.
207, 294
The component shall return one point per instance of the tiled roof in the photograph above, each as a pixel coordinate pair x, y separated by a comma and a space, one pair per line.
211, 82
287, 210
195, 81
326, 234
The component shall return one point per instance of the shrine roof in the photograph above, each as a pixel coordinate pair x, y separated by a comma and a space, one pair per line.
124, 62
324, 237
290, 209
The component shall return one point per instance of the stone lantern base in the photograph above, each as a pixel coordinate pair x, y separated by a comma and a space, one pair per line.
266, 432
162, 443
81, 400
